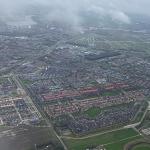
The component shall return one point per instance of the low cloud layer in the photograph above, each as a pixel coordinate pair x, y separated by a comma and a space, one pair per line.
68, 11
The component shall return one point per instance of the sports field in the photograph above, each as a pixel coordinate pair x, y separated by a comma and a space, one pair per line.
112, 141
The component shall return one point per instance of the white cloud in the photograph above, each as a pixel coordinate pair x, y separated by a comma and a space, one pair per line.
68, 10
120, 16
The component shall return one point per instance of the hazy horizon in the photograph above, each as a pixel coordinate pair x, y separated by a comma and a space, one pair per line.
68, 11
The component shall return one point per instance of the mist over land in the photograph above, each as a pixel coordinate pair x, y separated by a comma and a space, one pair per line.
21, 12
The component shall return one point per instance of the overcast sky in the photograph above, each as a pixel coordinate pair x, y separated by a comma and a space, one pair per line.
68, 10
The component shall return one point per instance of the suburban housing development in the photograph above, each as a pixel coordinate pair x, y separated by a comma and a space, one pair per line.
75, 87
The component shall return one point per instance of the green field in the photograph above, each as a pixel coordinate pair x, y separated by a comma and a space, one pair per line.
112, 141
120, 144
112, 93
93, 112
26, 81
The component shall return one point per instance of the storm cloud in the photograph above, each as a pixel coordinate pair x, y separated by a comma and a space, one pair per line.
16, 11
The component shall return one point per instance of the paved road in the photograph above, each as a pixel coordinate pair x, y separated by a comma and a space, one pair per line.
92, 135
17, 80
138, 123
